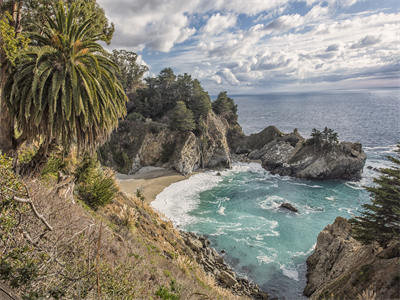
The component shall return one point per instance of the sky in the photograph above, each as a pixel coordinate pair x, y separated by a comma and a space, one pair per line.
259, 46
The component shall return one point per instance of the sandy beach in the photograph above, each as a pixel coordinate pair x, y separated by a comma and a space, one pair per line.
150, 180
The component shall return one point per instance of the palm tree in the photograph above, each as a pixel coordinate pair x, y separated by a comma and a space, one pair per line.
65, 89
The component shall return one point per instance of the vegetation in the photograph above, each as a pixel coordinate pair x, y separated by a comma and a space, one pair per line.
130, 72
65, 89
380, 220
327, 137
225, 106
182, 118
162, 93
95, 186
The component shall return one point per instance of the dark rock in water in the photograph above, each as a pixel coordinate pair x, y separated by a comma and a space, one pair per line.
219, 174
372, 168
289, 207
222, 251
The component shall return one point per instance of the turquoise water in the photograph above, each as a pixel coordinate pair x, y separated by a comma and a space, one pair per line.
239, 210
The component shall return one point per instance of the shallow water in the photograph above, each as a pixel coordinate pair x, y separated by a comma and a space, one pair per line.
239, 211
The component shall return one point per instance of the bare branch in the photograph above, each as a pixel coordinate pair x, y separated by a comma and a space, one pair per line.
33, 207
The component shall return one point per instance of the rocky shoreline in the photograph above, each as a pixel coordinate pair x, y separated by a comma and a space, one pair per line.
342, 266
213, 263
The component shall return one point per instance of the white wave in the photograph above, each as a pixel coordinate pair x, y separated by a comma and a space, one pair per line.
292, 274
315, 186
330, 198
265, 259
307, 253
355, 185
272, 202
177, 200
221, 211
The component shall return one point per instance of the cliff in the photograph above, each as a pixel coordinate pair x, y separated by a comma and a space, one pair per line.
342, 268
292, 155
136, 144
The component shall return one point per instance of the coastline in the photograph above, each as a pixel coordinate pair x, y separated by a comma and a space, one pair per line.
150, 180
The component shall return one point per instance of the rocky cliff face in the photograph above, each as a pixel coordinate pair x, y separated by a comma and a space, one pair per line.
342, 268
136, 144
291, 155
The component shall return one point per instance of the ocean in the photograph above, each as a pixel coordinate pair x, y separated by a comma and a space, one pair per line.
239, 211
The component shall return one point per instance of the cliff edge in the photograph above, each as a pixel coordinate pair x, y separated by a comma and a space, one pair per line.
342, 268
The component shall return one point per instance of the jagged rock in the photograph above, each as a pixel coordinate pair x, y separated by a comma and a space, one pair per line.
342, 267
214, 143
289, 206
136, 144
214, 264
227, 278
187, 154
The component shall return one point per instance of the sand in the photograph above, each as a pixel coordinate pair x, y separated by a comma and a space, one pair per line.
150, 180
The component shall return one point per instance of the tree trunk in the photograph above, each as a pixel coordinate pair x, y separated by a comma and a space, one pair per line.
7, 138
6, 121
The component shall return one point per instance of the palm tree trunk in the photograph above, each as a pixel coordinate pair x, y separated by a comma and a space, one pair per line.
6, 121
7, 139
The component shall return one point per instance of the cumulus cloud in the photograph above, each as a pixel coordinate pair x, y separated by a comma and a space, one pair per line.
218, 23
258, 43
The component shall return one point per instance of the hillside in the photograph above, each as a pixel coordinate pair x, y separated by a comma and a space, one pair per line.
55, 246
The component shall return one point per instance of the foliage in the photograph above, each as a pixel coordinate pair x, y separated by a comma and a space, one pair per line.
182, 118
95, 186
36, 12
225, 106
380, 220
130, 72
163, 92
55, 164
11, 44
66, 88
326, 137
171, 293
139, 195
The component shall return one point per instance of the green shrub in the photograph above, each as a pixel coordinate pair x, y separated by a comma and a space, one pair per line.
55, 164
95, 186
171, 293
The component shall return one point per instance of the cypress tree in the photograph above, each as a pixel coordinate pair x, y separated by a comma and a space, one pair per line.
182, 118
380, 220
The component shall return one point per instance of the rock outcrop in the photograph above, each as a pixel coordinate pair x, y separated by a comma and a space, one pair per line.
342, 267
289, 206
136, 144
292, 155
214, 264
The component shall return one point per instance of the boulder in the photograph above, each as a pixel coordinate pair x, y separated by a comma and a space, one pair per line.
289, 206
227, 278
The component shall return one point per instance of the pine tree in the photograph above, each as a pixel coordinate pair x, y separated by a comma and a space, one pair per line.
182, 118
380, 220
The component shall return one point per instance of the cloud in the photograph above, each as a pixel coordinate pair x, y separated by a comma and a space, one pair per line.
259, 44
218, 23
334, 47
228, 76
369, 40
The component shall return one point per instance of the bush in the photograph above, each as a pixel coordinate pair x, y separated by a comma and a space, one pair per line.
95, 186
171, 293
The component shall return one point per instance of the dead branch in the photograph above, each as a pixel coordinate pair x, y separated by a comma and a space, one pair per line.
33, 207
